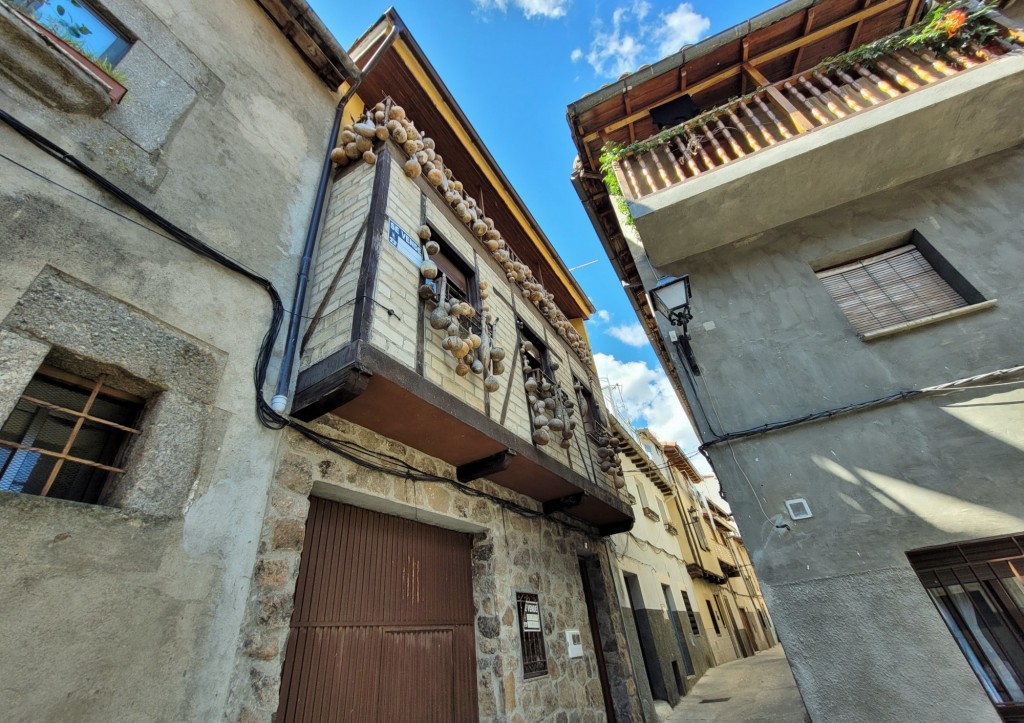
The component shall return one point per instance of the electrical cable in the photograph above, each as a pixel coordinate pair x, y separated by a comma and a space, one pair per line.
361, 456
963, 384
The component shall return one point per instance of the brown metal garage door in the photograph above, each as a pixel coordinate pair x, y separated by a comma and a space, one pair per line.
383, 622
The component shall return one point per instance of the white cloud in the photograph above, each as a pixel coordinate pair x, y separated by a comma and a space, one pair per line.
576, 55
633, 40
648, 399
631, 334
601, 317
615, 52
530, 8
682, 26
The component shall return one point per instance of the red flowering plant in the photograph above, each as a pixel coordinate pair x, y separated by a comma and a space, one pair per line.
952, 21
946, 25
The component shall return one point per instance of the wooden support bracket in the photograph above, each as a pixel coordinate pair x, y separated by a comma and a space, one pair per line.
483, 467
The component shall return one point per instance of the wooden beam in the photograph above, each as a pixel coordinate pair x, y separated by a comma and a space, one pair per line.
629, 111
734, 70
911, 13
807, 28
855, 40
776, 96
756, 75
746, 56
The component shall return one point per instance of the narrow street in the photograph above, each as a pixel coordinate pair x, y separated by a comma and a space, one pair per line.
760, 688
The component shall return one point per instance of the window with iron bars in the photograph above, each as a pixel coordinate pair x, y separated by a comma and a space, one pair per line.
978, 589
66, 437
694, 627
531, 635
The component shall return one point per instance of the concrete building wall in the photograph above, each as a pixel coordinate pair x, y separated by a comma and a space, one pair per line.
929, 470
132, 612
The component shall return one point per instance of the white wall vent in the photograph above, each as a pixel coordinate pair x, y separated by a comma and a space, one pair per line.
798, 509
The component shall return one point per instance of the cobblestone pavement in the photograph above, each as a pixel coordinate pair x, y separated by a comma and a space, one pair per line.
749, 690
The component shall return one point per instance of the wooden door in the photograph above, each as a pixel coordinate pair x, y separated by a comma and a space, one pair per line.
383, 623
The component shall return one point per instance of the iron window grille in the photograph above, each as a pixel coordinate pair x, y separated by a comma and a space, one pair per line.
66, 436
694, 627
978, 589
531, 635
714, 620
901, 285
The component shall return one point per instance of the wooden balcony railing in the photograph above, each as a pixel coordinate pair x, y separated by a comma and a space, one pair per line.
781, 111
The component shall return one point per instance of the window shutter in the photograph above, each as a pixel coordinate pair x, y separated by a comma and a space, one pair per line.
889, 289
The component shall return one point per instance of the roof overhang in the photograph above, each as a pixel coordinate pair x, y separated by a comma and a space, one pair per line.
405, 74
313, 40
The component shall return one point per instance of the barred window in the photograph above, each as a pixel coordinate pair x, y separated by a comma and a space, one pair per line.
694, 627
899, 288
66, 436
978, 589
531, 635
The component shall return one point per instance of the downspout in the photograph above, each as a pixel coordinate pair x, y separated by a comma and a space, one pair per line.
280, 400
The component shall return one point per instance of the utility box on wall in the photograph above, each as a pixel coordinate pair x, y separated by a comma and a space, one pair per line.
574, 643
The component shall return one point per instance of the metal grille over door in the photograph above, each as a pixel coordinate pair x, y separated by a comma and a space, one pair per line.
383, 622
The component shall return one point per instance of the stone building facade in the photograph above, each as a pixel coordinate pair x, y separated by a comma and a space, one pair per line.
429, 440
152, 524
131, 610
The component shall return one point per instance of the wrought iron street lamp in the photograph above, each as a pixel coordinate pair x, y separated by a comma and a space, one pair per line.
671, 299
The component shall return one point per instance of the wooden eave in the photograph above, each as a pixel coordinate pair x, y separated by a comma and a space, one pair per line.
681, 462
794, 35
404, 74
312, 40
635, 453
731, 64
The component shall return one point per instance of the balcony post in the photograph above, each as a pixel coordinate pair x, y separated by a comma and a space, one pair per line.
799, 119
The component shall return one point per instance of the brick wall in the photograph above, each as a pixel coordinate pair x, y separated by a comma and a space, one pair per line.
347, 210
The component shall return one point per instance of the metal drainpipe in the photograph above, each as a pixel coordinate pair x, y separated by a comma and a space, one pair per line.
280, 400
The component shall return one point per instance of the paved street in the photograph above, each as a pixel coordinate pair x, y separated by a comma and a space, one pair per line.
760, 688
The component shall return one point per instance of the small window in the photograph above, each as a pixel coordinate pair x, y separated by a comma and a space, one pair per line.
643, 495
531, 635
661, 508
905, 284
698, 528
535, 353
694, 627
978, 589
66, 436
456, 281
589, 411
81, 26
714, 620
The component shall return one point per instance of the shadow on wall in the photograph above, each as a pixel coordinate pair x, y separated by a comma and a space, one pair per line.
997, 416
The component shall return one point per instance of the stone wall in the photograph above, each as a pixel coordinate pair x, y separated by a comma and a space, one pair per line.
512, 553
133, 613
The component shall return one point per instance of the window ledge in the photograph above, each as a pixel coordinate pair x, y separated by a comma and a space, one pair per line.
47, 68
925, 320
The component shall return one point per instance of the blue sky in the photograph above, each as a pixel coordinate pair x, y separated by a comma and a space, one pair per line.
513, 66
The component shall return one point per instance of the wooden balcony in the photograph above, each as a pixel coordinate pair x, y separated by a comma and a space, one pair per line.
822, 137
372, 355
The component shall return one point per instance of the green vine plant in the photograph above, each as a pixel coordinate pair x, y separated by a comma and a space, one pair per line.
950, 25
610, 155
947, 26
